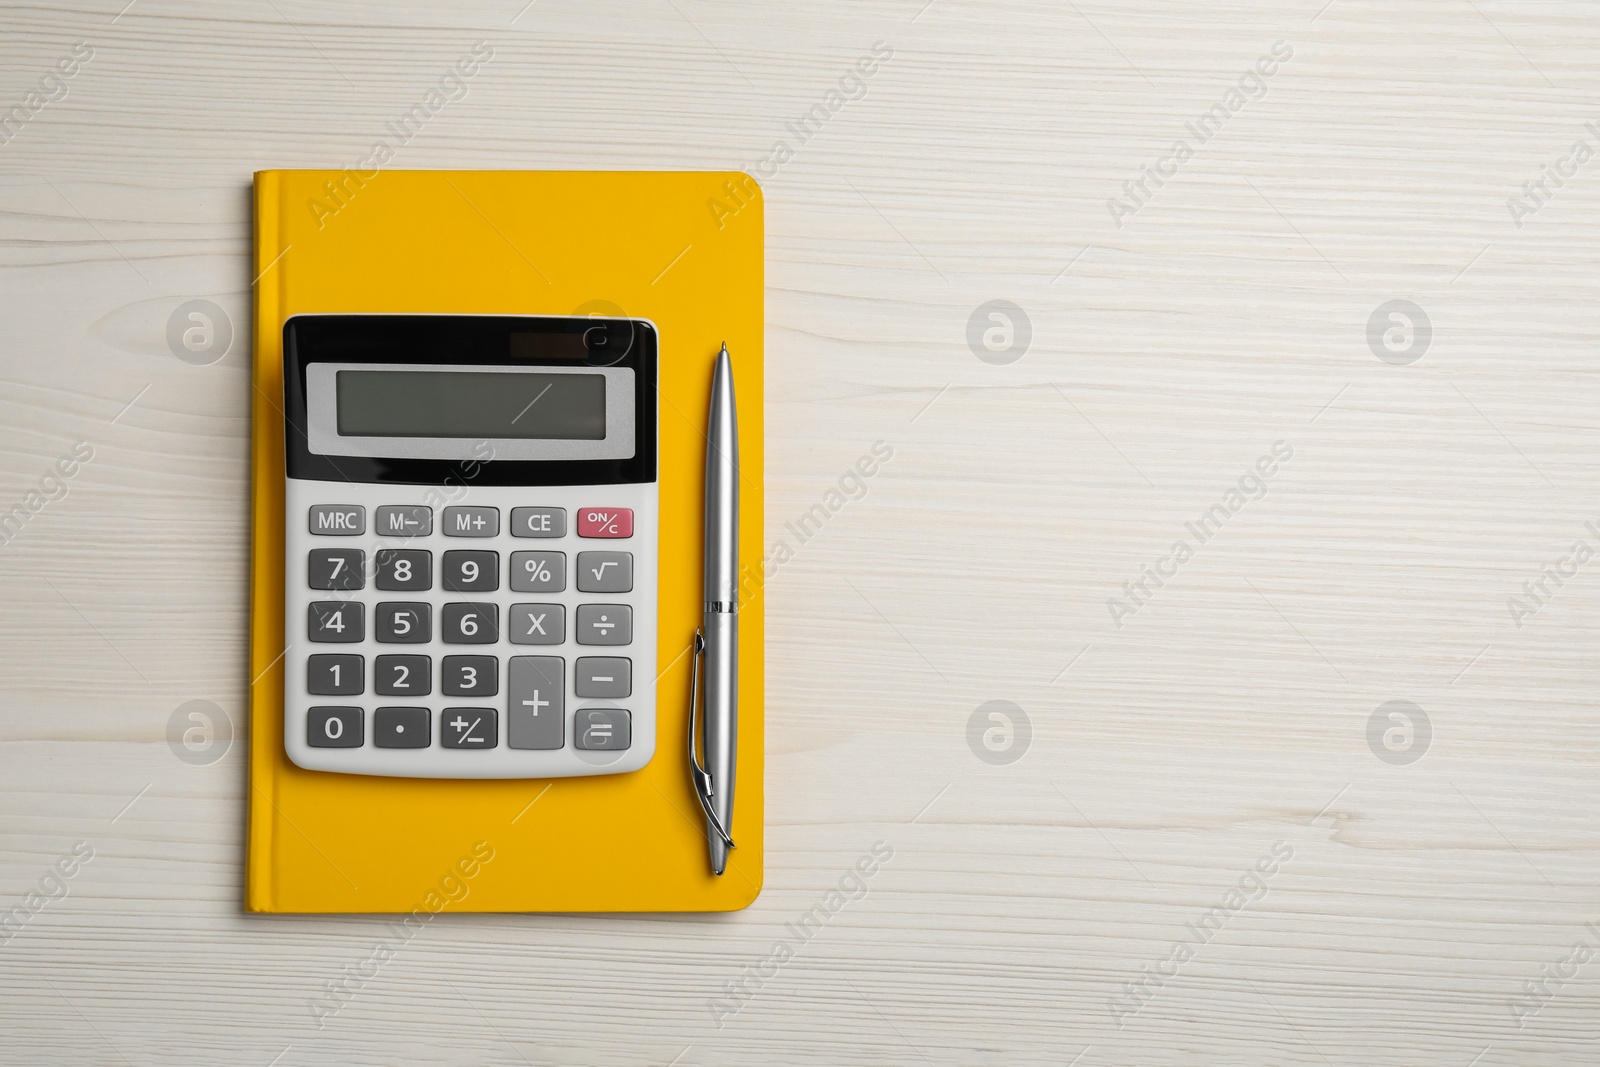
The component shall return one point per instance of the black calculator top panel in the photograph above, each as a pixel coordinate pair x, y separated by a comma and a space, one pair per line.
478, 341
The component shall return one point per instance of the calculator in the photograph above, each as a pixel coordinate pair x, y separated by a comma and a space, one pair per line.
470, 545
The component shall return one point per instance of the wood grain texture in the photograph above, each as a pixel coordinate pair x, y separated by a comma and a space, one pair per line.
1168, 754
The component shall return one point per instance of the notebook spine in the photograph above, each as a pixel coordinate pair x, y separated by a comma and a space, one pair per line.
265, 640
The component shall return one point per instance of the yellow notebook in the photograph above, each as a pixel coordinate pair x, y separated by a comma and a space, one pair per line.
683, 250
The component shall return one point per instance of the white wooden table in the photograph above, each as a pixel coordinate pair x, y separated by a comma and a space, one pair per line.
1243, 707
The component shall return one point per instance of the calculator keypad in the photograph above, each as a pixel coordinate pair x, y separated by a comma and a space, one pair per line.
469, 628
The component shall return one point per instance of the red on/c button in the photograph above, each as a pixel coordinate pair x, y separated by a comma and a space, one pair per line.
605, 522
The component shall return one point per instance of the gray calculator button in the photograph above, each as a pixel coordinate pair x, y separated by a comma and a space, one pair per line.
402, 623
401, 728
335, 676
403, 570
605, 572
469, 728
334, 728
605, 624
606, 677
538, 572
335, 621
405, 520
538, 522
537, 624
336, 568
402, 676
471, 571
469, 624
536, 702
471, 522
469, 676
337, 520
600, 729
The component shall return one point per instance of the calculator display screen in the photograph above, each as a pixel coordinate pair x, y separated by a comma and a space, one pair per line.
484, 404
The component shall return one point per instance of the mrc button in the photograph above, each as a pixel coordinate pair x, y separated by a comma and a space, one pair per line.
342, 520
605, 522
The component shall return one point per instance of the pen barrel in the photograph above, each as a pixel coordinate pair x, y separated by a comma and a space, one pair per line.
722, 489
721, 740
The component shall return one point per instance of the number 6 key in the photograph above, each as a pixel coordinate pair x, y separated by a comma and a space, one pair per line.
470, 624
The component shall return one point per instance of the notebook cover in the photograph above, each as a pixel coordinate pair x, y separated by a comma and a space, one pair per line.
683, 250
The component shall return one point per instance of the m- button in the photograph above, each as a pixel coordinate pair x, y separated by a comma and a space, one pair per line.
338, 520
405, 520
605, 522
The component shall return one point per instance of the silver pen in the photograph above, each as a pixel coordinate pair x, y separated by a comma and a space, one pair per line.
717, 641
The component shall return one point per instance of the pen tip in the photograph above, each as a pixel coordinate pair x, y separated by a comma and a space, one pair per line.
724, 349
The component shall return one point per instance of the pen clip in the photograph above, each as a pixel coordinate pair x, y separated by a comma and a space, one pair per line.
703, 786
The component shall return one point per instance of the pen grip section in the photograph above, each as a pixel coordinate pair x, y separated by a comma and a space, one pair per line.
721, 722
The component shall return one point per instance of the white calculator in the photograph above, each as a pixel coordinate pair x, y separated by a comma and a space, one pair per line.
470, 552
